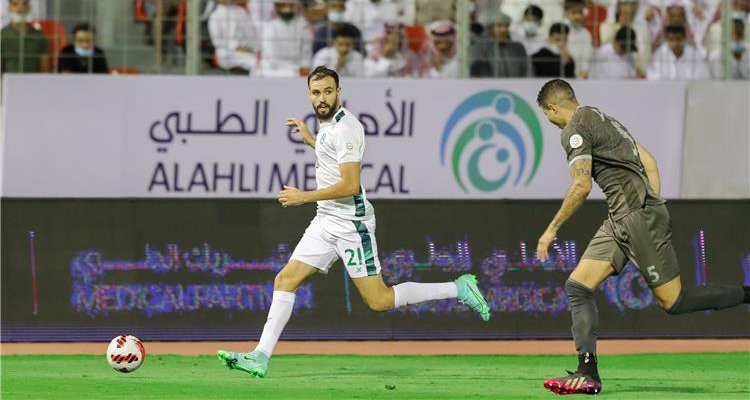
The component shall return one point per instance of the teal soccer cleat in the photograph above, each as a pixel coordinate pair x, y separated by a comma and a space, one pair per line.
469, 294
254, 363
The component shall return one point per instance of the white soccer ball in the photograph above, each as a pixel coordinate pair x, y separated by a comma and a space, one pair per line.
125, 353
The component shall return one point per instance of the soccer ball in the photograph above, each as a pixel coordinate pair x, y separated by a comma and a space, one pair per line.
125, 353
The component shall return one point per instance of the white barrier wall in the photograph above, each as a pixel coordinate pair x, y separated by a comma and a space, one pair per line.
157, 136
717, 141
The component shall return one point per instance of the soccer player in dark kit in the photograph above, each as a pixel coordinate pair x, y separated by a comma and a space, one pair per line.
638, 227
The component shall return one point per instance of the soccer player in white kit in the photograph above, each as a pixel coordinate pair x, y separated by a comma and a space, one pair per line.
344, 227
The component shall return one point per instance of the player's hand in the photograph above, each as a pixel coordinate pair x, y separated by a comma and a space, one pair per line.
298, 125
291, 197
301, 128
543, 245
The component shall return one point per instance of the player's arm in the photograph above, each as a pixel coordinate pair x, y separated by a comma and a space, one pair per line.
580, 171
652, 170
349, 185
301, 128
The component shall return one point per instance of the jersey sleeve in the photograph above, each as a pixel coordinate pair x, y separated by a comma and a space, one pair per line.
348, 143
576, 140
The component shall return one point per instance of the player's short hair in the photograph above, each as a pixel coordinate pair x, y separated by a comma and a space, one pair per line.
321, 72
675, 29
559, 27
555, 91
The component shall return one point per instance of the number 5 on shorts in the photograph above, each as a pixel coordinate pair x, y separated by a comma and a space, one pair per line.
350, 253
653, 274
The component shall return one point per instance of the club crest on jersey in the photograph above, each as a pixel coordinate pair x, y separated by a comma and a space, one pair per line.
576, 141
349, 145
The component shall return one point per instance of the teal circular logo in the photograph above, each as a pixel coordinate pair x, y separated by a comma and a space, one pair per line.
491, 139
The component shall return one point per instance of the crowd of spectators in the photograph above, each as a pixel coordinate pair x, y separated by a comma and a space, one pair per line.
638, 39
25, 48
584, 39
628, 39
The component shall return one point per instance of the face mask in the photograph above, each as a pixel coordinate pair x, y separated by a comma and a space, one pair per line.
336, 17
737, 47
286, 16
530, 28
17, 18
739, 15
554, 49
84, 52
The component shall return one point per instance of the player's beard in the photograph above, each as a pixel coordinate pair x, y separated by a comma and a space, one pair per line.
331, 109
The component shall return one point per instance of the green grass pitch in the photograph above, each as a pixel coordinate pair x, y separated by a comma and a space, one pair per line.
642, 376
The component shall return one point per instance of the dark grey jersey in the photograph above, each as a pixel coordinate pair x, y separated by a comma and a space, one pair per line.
616, 165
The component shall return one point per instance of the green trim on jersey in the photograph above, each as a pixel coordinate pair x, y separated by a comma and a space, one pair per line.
364, 235
359, 204
339, 116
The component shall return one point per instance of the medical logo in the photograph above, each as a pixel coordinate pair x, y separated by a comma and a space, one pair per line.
576, 141
490, 139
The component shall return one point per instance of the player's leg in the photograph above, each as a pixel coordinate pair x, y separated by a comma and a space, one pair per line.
602, 258
580, 288
285, 285
464, 288
375, 293
282, 303
360, 255
650, 237
380, 297
675, 299
313, 253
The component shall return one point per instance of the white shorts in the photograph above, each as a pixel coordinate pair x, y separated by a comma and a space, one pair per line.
329, 238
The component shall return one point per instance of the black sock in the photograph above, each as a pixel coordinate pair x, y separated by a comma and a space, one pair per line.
708, 297
584, 314
587, 365
747, 294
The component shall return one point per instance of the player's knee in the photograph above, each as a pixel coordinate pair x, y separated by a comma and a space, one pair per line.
379, 304
284, 281
577, 292
667, 302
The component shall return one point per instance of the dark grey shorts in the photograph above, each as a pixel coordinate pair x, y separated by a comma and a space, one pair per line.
643, 236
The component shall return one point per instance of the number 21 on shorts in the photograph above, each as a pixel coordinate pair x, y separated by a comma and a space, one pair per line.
354, 253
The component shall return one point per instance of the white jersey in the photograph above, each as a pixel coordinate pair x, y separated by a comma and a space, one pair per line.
339, 141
